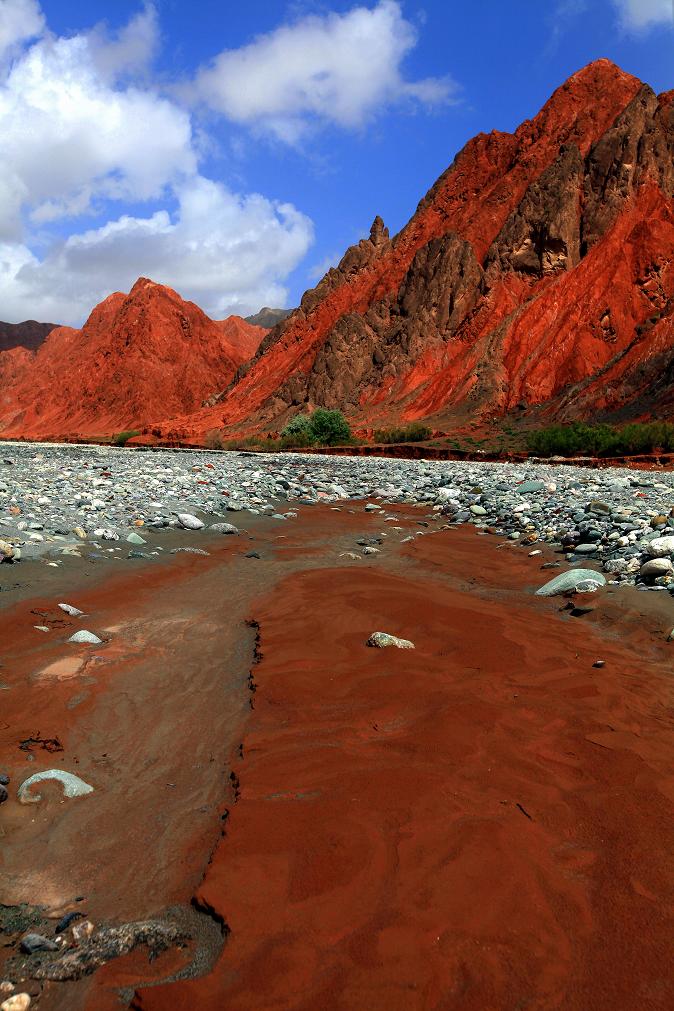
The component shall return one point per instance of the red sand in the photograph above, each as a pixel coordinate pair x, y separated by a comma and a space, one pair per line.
483, 823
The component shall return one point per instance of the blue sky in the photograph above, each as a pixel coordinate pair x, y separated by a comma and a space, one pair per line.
235, 150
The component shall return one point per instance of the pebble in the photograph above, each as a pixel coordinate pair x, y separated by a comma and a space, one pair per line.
17, 1002
576, 580
190, 522
223, 528
37, 942
382, 639
85, 636
656, 567
74, 612
58, 493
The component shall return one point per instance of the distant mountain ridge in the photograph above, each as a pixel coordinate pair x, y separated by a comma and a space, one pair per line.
138, 357
267, 317
29, 334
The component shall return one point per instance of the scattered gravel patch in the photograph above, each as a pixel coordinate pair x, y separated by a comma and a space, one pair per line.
59, 500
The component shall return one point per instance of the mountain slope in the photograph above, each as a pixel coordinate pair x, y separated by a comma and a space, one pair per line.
420, 325
139, 356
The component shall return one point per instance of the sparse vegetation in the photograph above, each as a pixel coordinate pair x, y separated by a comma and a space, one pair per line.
416, 432
580, 439
214, 440
122, 438
320, 428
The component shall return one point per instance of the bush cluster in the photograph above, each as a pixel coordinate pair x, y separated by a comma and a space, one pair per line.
320, 428
122, 438
580, 439
416, 432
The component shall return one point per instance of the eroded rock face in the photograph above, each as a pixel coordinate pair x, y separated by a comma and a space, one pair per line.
526, 270
538, 270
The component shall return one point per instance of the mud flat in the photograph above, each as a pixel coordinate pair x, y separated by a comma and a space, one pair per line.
481, 822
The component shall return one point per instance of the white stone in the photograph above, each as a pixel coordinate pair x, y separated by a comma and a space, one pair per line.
18, 1002
657, 567
189, 522
661, 546
74, 612
383, 639
87, 637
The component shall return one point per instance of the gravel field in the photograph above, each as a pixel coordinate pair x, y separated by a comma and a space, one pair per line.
58, 501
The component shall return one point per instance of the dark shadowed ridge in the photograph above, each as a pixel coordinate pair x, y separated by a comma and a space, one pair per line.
28, 334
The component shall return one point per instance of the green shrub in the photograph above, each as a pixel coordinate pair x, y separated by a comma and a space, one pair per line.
416, 432
582, 439
329, 428
322, 428
122, 438
298, 426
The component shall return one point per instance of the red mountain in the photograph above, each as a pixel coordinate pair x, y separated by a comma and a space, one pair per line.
538, 270
138, 357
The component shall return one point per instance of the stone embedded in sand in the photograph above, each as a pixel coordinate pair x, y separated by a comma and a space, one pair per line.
82, 931
223, 528
73, 786
17, 1002
134, 538
86, 637
106, 534
659, 547
189, 522
108, 943
37, 942
382, 639
657, 567
579, 580
74, 612
6, 551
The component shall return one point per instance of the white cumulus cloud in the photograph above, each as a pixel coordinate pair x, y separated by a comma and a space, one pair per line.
19, 20
640, 14
69, 137
85, 132
223, 251
338, 68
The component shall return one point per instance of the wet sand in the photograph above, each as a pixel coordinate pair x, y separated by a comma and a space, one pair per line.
481, 823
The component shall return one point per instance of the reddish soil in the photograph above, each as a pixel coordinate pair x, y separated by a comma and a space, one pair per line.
481, 823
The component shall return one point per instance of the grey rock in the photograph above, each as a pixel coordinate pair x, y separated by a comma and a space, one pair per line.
381, 640
31, 943
575, 579
190, 522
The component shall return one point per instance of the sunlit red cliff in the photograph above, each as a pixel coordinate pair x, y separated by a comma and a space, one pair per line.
138, 357
535, 276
